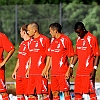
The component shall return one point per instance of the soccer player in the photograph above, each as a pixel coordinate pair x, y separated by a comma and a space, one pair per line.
39, 60
60, 50
87, 55
5, 44
22, 64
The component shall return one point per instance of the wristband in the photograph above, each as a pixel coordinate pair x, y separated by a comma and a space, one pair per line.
71, 65
95, 67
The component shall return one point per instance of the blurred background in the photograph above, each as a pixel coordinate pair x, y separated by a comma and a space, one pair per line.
15, 13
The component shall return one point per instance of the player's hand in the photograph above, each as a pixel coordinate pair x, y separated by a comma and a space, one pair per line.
14, 75
69, 73
92, 74
45, 73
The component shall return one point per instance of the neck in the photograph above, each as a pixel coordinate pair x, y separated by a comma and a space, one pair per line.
26, 38
36, 35
58, 35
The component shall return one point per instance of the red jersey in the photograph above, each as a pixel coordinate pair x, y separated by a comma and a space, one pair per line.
6, 45
60, 49
38, 53
23, 56
86, 49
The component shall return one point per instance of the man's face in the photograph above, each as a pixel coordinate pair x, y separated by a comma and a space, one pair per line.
52, 32
30, 31
80, 32
22, 33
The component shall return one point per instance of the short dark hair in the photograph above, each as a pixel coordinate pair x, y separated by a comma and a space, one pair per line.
56, 26
79, 25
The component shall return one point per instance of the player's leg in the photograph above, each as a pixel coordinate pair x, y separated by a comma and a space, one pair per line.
45, 89
55, 88
92, 90
3, 90
5, 96
31, 88
42, 88
64, 86
78, 96
20, 97
78, 87
25, 84
49, 91
19, 88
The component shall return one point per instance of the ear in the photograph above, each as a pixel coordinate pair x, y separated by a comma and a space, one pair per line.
24, 32
55, 31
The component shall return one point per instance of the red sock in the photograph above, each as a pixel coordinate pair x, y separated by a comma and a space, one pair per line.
46, 98
93, 96
20, 98
78, 96
5, 97
56, 98
68, 97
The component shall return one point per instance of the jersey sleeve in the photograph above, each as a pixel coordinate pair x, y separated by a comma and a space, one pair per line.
95, 47
7, 45
47, 47
76, 47
69, 47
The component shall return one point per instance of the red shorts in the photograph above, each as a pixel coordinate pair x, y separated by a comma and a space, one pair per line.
59, 83
21, 85
37, 83
83, 84
2, 81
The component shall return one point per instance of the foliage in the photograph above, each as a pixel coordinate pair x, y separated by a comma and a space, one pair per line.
44, 15
25, 2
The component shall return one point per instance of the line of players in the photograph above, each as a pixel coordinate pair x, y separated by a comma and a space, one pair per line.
38, 55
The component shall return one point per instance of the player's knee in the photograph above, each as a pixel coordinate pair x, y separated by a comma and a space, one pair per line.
66, 93
31, 96
55, 93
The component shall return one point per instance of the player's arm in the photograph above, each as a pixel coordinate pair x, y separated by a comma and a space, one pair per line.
7, 57
95, 49
96, 62
15, 70
47, 67
72, 63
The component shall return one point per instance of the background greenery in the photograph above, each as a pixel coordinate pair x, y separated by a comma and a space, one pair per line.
46, 12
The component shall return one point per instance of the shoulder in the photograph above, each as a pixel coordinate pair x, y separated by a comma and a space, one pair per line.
92, 36
65, 37
44, 37
2, 34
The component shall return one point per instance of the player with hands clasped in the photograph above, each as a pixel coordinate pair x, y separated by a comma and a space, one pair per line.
87, 55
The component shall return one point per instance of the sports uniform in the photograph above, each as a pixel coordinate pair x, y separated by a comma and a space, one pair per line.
38, 53
23, 56
60, 49
86, 49
6, 45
